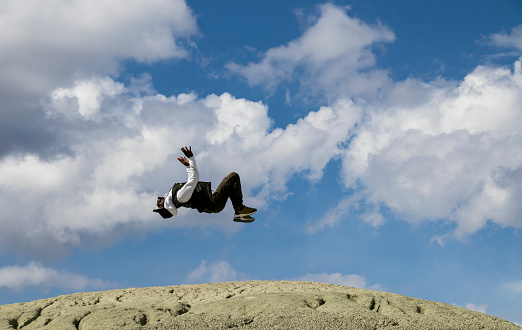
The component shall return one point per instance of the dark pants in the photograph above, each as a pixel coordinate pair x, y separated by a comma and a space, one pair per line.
230, 187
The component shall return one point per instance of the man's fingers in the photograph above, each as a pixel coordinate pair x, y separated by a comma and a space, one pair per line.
184, 161
187, 151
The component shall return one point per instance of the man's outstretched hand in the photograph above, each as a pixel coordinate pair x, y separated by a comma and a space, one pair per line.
188, 153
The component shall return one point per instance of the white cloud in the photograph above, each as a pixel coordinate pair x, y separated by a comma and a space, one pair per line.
238, 119
334, 215
512, 40
51, 44
514, 286
330, 55
44, 43
220, 271
428, 151
356, 281
123, 150
477, 308
88, 94
473, 307
34, 274
453, 153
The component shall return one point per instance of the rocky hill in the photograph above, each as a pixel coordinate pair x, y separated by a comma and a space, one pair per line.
248, 305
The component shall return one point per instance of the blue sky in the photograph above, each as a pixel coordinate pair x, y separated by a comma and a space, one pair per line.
380, 141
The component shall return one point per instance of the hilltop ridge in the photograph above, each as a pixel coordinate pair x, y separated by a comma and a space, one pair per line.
248, 305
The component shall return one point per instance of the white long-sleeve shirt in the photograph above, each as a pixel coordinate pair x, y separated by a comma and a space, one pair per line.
186, 191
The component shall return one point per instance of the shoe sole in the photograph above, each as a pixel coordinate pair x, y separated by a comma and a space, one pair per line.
246, 214
243, 218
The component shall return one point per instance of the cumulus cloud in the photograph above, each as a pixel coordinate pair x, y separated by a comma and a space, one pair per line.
452, 152
220, 271
511, 40
356, 281
123, 149
35, 274
476, 308
426, 151
334, 55
51, 44
44, 43
88, 94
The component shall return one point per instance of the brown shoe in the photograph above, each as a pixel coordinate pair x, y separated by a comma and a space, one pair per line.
245, 210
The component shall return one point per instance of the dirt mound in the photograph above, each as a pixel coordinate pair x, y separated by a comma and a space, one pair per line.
250, 305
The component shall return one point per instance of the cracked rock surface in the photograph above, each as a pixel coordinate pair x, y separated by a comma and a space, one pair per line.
248, 305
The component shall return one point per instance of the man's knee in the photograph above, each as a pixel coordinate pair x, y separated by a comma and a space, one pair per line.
233, 176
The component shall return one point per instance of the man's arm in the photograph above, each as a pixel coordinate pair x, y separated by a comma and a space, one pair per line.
186, 191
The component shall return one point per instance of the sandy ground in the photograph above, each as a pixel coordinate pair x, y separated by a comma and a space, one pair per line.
247, 305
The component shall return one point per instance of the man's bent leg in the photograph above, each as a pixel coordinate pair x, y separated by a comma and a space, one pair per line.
230, 187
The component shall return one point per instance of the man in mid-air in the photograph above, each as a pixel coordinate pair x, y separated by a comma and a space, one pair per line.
197, 195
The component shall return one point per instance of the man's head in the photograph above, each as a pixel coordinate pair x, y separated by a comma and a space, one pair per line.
161, 208
160, 203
